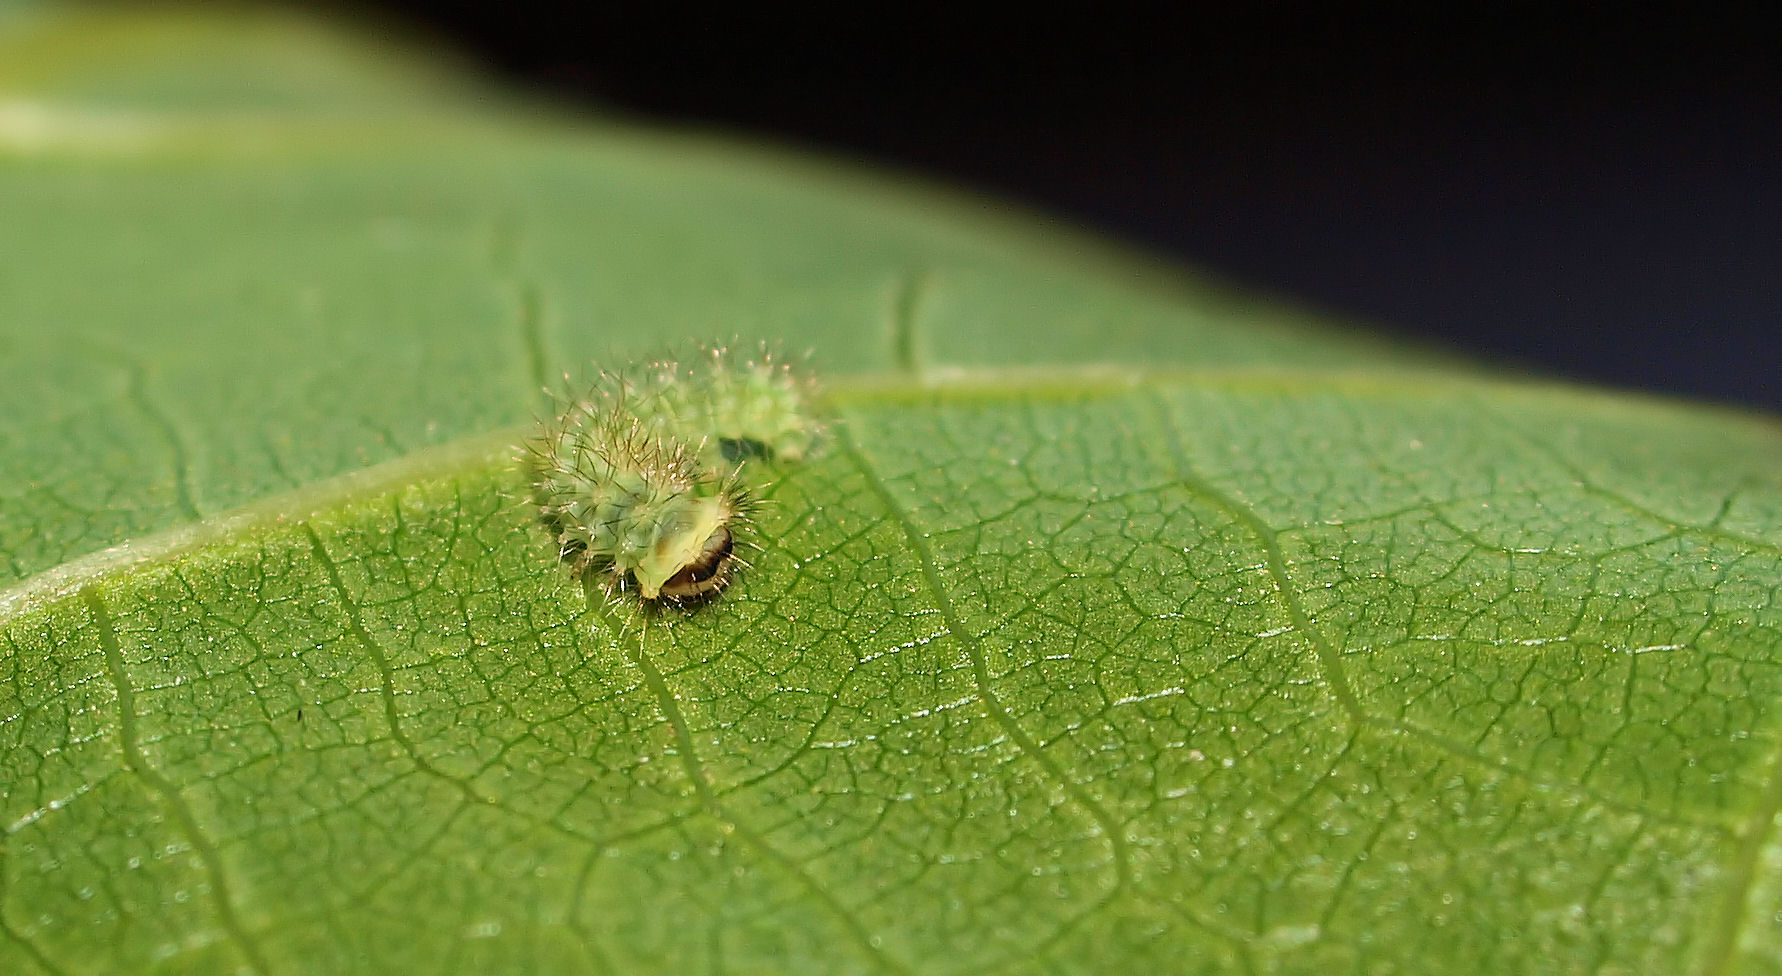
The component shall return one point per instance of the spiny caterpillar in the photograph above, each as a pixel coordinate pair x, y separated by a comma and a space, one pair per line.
641, 478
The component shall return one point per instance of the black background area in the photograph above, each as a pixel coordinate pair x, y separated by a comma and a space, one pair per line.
1587, 192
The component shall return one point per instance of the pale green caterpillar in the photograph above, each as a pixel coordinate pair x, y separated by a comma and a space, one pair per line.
733, 408
642, 477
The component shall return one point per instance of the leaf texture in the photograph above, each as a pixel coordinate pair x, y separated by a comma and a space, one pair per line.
1123, 622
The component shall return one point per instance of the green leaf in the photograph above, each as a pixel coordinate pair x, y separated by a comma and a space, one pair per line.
1125, 624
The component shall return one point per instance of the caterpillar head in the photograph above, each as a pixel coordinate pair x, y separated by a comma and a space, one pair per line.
693, 558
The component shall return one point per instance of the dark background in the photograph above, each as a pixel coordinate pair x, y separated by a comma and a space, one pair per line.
1593, 194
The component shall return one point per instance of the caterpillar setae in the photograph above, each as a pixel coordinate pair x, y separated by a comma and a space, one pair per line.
641, 478
734, 409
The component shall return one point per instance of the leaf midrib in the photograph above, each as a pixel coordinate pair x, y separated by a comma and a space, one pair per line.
936, 385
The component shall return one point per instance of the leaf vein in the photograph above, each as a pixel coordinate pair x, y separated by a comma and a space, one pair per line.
373, 648
176, 445
1735, 909
1632, 507
980, 670
669, 705
901, 322
1328, 659
136, 761
529, 315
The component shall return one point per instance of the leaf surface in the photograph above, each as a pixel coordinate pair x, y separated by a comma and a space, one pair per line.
1125, 622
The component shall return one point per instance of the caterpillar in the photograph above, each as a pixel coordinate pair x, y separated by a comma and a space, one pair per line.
640, 480
735, 409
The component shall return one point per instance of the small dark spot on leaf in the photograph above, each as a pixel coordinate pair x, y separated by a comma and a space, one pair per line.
739, 449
